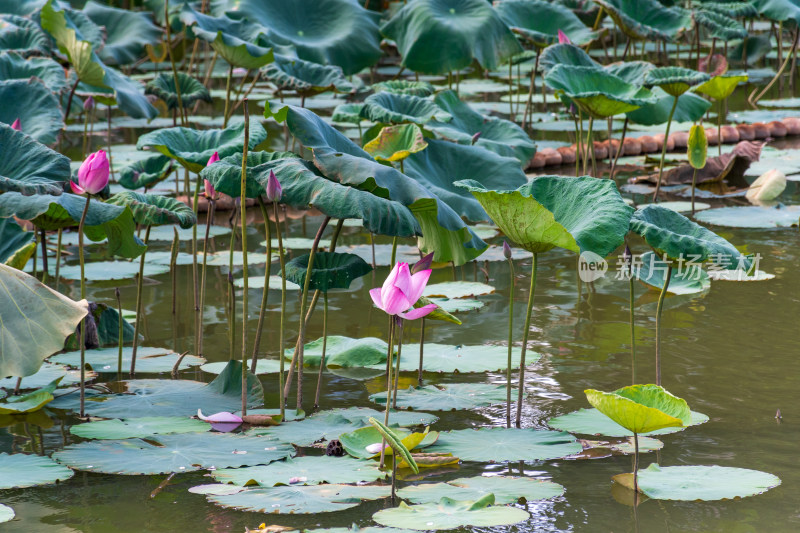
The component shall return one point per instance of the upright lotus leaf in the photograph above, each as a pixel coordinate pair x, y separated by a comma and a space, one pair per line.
126, 32
596, 92
539, 22
23, 36
451, 514
396, 108
641, 408
328, 32
349, 113
306, 77
690, 108
331, 270
14, 66
498, 135
697, 147
20, 7
146, 172
12, 238
163, 87
395, 143
37, 109
440, 36
155, 210
675, 80
671, 233
338, 158
719, 25
631, 71
578, 214
565, 54
303, 187
732, 9
443, 163
226, 174
644, 20
192, 148
29, 167
103, 221
34, 321
233, 40
415, 88
722, 86
779, 10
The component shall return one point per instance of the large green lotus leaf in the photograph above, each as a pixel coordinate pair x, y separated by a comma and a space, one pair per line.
304, 187
226, 174
46, 374
457, 289
23, 36
192, 91
30, 402
335, 32
395, 108
34, 321
506, 489
306, 77
133, 428
447, 397
348, 113
578, 214
502, 444
20, 470
318, 427
720, 26
30, 167
459, 358
593, 422
233, 40
303, 499
443, 163
779, 10
155, 210
704, 483
416, 88
146, 172
732, 9
310, 470
675, 80
20, 7
671, 233
338, 158
13, 66
177, 453
356, 442
103, 221
631, 71
6, 513
345, 352
647, 19
126, 32
192, 148
361, 415
451, 514
331, 270
652, 271
751, 216
148, 359
440, 36
395, 143
641, 408
721, 87
597, 92
12, 238
690, 108
565, 54
498, 135
538, 22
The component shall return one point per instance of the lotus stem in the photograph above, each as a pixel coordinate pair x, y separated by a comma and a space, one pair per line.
108, 141
421, 350
83, 296
394, 251
139, 282
581, 155
231, 295
719, 137
45, 267
282, 259
324, 346
659, 308
264, 294
619, 148
227, 97
389, 354
209, 221
590, 147
633, 333
525, 334
529, 104
664, 149
85, 132
397, 366
510, 341
510, 93
780, 71
69, 102
694, 180
243, 214
35, 256
173, 260
636, 464
198, 341
120, 332
58, 258
372, 244
172, 63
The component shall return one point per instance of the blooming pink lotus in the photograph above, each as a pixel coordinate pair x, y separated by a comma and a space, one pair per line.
17, 125
562, 38
93, 174
400, 292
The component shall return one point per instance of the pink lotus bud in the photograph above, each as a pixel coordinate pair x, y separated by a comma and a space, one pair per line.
562, 38
213, 159
93, 174
210, 192
476, 137
17, 125
506, 250
88, 104
274, 190
422, 264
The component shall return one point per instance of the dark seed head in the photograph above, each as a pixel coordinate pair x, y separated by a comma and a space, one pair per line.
334, 449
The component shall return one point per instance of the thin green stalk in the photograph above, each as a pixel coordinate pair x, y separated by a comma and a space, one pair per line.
421, 350
397, 367
658, 323
264, 294
619, 148
664, 149
694, 184
231, 308
227, 97
283, 313
173, 263
83, 297
58, 258
172, 62
119, 334
394, 251
324, 346
139, 281
529, 103
198, 317
719, 137
510, 93
636, 465
45, 266
243, 213
525, 339
633, 333
510, 342
209, 221
85, 131
389, 354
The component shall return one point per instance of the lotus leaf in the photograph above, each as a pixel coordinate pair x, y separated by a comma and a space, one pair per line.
155, 210
31, 168
263, 366
538, 22
46, 374
506, 489
30, 402
163, 87
310, 470
647, 19
349, 113
721, 87
306, 77
362, 415
675, 80
395, 143
304, 499
641, 408
632, 72
732, 9
356, 442
345, 352
23, 36
126, 32
226, 174
318, 427
690, 108
597, 92
752, 216
440, 36
110, 270
146, 173
686, 280
331, 270
448, 397
779, 10
415, 88
13, 66
720, 25
593, 422
502, 444
394, 108
141, 428
20, 7
451, 514
565, 54
20, 471
12, 238
459, 358
148, 359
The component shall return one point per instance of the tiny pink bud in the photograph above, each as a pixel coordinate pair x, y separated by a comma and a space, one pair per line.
17, 125
562, 38
506, 250
213, 159
476, 137
422, 264
93, 173
88, 104
274, 190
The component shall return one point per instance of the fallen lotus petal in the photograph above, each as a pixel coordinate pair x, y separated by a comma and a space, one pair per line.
223, 417
375, 448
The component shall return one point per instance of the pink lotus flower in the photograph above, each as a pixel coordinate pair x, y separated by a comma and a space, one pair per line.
93, 174
17, 125
220, 418
213, 159
562, 38
274, 190
401, 291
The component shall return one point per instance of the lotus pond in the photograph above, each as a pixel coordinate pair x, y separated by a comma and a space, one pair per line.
325, 265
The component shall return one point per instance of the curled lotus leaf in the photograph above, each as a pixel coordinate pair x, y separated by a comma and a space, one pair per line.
631, 71
538, 22
14, 66
732, 9
779, 10
125, 32
396, 108
163, 87
12, 238
675, 80
306, 77
331, 270
720, 25
349, 113
565, 54
146, 172
690, 108
415, 88
647, 19
722, 86
23, 36
597, 92
395, 143
641, 408
30, 167
226, 174
155, 210
697, 147
37, 109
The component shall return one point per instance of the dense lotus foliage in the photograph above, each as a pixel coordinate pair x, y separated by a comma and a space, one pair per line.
260, 258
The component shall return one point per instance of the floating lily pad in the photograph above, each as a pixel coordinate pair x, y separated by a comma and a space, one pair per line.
47, 373
165, 233
449, 397
20, 470
502, 444
318, 427
172, 453
6, 513
346, 352
457, 305
705, 483
451, 514
310, 470
682, 207
459, 358
148, 359
593, 422
739, 275
110, 270
30, 402
216, 489
263, 366
457, 289
138, 427
506, 489
304, 499
752, 216
222, 258
291, 243
688, 280
257, 282
398, 418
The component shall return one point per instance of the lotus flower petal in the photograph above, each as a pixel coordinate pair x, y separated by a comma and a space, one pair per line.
222, 417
